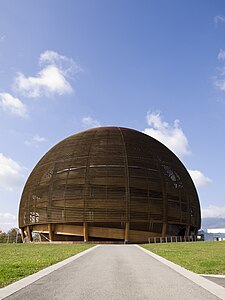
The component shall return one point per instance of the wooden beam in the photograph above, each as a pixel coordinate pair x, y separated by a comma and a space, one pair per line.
85, 228
126, 235
22, 233
164, 230
51, 232
29, 234
187, 231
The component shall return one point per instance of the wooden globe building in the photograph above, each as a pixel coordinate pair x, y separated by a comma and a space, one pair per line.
109, 184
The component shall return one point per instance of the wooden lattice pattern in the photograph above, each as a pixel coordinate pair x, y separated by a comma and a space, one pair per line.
110, 178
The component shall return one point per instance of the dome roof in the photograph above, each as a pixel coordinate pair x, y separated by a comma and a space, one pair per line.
109, 175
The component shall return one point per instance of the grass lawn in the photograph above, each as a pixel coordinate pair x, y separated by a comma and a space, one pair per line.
20, 260
198, 257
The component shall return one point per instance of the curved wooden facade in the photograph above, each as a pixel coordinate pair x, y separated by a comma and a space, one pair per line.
109, 183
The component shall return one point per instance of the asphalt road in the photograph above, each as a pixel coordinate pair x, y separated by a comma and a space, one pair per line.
217, 280
113, 272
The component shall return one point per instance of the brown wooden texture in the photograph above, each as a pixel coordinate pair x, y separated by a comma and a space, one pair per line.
108, 177
85, 227
51, 232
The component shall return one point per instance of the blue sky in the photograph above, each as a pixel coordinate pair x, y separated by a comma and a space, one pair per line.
155, 66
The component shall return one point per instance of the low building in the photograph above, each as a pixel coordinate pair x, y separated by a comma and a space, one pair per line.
216, 234
212, 234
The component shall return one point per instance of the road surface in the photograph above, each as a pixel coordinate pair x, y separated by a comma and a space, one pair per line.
113, 272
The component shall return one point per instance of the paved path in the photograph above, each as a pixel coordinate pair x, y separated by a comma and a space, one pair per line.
218, 279
114, 272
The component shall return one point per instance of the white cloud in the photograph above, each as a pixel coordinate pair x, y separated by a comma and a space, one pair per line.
213, 211
89, 122
2, 38
7, 221
39, 139
51, 80
11, 173
221, 54
35, 140
220, 83
52, 57
67, 65
170, 135
219, 19
219, 79
199, 178
13, 105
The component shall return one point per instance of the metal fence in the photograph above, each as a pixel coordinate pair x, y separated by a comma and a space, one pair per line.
173, 239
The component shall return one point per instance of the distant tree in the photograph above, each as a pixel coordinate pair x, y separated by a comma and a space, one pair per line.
14, 236
3, 237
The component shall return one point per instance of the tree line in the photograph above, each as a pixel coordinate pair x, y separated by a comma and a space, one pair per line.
12, 236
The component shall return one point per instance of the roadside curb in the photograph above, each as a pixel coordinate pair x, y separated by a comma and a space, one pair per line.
212, 275
210, 286
22, 283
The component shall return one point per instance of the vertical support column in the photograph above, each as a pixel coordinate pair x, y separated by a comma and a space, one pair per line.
22, 234
165, 201
126, 234
164, 227
51, 232
127, 188
85, 227
29, 234
187, 231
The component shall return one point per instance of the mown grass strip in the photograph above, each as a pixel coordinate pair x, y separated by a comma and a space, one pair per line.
20, 260
198, 257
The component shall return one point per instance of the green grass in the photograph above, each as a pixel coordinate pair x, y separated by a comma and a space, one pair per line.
20, 260
198, 257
